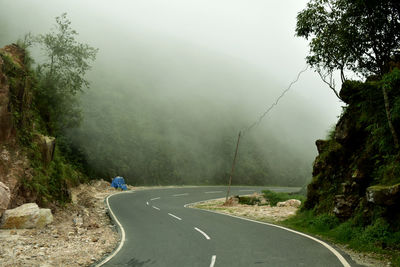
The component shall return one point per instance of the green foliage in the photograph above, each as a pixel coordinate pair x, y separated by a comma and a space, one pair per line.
50, 183
42, 101
249, 200
375, 237
356, 35
274, 197
62, 75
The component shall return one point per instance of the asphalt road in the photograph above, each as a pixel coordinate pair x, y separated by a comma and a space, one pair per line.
160, 231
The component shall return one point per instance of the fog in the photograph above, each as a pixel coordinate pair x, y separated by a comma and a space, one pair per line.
175, 81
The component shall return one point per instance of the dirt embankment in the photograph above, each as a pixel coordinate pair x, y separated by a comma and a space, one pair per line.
80, 235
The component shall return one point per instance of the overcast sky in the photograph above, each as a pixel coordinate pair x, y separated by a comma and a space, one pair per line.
258, 33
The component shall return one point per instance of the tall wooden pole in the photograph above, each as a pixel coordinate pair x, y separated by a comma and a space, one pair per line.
233, 168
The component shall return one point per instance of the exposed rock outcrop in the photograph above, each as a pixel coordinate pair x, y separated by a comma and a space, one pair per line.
384, 195
14, 166
354, 173
47, 145
6, 129
4, 198
15, 117
26, 216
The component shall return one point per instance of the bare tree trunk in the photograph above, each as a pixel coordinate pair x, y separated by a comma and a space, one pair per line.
389, 117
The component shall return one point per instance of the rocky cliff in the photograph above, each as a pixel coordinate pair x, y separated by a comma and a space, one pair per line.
30, 165
15, 103
357, 172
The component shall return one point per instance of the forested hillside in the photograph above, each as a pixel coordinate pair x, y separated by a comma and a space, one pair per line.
160, 124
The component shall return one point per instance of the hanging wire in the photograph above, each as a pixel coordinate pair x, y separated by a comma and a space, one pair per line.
261, 117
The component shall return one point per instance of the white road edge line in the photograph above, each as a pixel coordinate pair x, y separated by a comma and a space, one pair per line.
154, 207
247, 190
213, 258
154, 198
120, 227
176, 217
201, 232
331, 249
211, 192
177, 195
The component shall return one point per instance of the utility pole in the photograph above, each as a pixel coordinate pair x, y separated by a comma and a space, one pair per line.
233, 168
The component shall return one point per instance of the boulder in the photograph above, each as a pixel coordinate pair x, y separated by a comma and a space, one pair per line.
289, 203
4, 197
25, 217
384, 195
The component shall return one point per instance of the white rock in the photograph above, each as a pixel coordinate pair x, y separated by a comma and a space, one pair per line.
26, 216
289, 203
4, 197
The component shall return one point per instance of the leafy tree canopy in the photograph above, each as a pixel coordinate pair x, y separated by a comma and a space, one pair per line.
358, 35
62, 75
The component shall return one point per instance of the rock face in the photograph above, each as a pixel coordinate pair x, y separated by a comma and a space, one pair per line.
384, 195
356, 167
47, 145
16, 96
26, 216
4, 198
6, 129
14, 167
344, 206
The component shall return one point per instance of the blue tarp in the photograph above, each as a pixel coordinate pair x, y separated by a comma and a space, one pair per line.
119, 182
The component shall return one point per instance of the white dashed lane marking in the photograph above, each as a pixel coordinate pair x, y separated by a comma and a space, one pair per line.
154, 198
176, 217
201, 232
178, 195
213, 258
154, 207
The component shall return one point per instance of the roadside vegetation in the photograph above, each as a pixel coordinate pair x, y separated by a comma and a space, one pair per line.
378, 237
44, 103
354, 195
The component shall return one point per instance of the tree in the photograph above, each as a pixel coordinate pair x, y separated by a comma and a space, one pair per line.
62, 75
362, 36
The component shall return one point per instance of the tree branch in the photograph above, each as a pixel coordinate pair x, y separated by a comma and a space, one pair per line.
330, 83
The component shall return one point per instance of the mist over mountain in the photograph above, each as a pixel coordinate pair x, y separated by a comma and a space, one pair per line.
162, 109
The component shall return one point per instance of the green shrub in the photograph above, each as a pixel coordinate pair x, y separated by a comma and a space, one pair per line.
345, 231
324, 222
249, 200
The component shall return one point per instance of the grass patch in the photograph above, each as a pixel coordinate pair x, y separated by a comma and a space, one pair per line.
378, 237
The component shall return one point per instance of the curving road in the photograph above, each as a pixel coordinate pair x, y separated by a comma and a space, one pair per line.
159, 231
